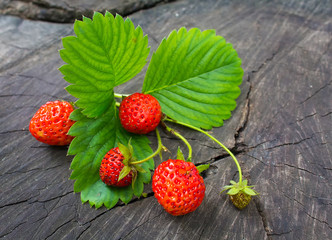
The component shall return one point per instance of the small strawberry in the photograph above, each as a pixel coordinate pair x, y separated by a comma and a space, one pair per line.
51, 123
118, 167
140, 113
239, 193
240, 200
110, 168
178, 186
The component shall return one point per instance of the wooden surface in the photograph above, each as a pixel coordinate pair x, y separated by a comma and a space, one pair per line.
64, 11
281, 130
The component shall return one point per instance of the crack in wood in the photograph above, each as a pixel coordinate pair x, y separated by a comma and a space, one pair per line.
262, 214
317, 219
18, 225
301, 169
306, 117
240, 146
16, 203
302, 209
327, 168
43, 204
94, 218
315, 197
30, 170
239, 143
14, 131
17, 95
45, 219
140, 225
261, 161
65, 223
316, 92
289, 143
284, 144
327, 114
29, 77
53, 198
89, 222
84, 230
290, 198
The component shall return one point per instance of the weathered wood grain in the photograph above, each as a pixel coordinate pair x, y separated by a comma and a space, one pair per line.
281, 130
65, 11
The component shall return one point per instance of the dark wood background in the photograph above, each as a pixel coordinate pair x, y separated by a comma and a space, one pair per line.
281, 130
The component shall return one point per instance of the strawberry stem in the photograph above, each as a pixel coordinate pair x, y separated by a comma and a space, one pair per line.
118, 95
214, 139
190, 151
160, 147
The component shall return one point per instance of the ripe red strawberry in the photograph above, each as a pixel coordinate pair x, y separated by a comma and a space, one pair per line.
51, 123
110, 168
178, 186
140, 113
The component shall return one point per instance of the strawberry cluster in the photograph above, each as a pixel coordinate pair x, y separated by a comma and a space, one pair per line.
176, 183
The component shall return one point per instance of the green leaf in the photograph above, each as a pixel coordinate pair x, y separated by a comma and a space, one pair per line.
203, 167
244, 182
124, 172
195, 76
99, 194
139, 168
233, 191
225, 188
250, 192
232, 182
125, 151
180, 155
144, 195
131, 149
93, 139
105, 52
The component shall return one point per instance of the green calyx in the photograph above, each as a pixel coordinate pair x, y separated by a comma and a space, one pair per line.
239, 187
200, 168
129, 163
203, 167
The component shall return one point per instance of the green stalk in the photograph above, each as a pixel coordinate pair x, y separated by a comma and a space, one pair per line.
118, 95
214, 139
190, 151
160, 147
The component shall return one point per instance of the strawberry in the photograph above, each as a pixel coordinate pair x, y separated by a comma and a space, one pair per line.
240, 200
51, 123
178, 186
240, 193
140, 113
120, 167
111, 167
